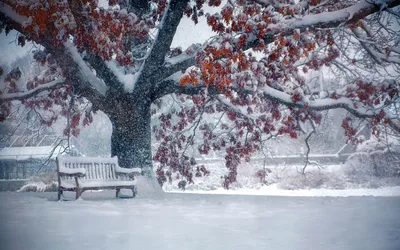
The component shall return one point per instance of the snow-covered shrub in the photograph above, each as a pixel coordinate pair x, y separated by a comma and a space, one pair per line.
359, 165
374, 158
44, 182
313, 179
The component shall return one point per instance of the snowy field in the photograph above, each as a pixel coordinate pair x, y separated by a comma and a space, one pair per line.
35, 221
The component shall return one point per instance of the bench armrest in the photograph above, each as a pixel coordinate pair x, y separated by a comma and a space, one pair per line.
120, 170
80, 172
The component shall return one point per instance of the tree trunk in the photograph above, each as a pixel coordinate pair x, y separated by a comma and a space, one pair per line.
131, 136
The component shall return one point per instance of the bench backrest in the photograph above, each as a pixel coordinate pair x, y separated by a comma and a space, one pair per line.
97, 168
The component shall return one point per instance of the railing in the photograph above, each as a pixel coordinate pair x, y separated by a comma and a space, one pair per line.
13, 170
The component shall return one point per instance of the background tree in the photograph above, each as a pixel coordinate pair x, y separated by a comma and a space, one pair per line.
249, 82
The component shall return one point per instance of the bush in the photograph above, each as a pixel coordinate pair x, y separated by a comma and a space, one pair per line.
374, 161
313, 179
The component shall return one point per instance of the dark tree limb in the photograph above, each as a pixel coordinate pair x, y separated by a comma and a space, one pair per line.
140, 7
161, 45
103, 72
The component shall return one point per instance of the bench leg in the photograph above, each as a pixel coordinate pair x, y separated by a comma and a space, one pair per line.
78, 193
134, 191
117, 192
59, 193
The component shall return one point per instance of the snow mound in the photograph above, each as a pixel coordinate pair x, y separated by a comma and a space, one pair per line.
148, 188
39, 187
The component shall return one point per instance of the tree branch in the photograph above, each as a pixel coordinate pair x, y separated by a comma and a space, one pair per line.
333, 19
172, 86
30, 93
95, 61
140, 7
162, 43
103, 72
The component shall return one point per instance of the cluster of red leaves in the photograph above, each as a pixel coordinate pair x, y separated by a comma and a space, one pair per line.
224, 64
52, 19
371, 94
168, 153
99, 30
262, 174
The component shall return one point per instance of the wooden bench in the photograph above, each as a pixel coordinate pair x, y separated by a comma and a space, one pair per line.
91, 173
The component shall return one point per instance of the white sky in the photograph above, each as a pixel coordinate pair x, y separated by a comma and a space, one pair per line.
9, 50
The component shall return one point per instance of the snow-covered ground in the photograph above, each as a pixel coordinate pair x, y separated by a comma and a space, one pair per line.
196, 221
274, 190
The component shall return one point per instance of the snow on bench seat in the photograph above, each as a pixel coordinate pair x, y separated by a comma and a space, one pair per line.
93, 173
71, 171
97, 184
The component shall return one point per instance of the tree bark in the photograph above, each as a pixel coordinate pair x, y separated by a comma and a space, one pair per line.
131, 135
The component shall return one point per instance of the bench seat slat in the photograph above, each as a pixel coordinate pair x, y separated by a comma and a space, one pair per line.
105, 171
68, 170
97, 183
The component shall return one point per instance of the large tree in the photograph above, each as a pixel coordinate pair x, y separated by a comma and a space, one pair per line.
251, 81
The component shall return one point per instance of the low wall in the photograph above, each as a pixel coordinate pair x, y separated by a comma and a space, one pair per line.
11, 185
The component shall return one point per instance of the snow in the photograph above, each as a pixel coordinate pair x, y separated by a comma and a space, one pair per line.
66, 170
334, 16
88, 160
97, 160
11, 52
35, 221
25, 153
127, 170
10, 13
17, 95
85, 71
96, 183
274, 190
127, 79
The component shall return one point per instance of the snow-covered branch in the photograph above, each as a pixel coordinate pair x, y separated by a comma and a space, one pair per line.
180, 62
344, 16
172, 86
104, 72
378, 56
32, 92
326, 104
7, 13
85, 72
